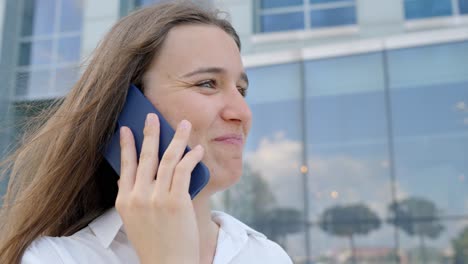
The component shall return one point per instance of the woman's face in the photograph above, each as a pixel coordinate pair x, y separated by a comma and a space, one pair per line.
198, 76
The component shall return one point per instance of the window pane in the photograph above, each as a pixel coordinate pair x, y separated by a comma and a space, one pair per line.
69, 49
38, 17
441, 241
32, 83
280, 3
282, 22
35, 53
71, 15
269, 195
330, 1
460, 242
22, 80
350, 183
149, 2
415, 9
463, 6
23, 112
65, 78
333, 17
376, 247
429, 102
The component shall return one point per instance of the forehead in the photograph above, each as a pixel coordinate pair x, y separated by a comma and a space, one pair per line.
189, 46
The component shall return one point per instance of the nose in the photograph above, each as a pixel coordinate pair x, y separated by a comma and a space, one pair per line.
236, 108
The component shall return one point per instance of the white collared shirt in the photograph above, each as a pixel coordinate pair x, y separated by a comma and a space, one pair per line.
104, 241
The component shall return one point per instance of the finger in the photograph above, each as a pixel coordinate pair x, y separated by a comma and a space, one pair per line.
148, 163
183, 171
172, 156
128, 161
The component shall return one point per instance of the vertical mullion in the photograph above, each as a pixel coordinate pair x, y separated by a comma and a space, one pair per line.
257, 19
19, 22
455, 8
307, 7
305, 155
391, 144
55, 40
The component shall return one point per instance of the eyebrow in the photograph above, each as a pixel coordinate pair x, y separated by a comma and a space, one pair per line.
243, 75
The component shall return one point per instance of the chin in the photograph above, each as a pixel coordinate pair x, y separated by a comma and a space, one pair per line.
222, 179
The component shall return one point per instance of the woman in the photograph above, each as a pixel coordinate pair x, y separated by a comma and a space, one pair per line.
59, 207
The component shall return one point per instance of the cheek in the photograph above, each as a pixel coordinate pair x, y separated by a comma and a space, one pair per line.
170, 115
249, 122
200, 130
196, 138
174, 115
198, 114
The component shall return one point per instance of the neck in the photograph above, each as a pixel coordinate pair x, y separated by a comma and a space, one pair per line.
207, 228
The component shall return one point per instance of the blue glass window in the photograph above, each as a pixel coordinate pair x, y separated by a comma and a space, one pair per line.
333, 17
69, 49
269, 195
293, 14
463, 6
50, 37
416, 9
328, 1
347, 150
71, 15
429, 92
36, 82
65, 78
281, 22
38, 17
22, 79
148, 2
35, 53
280, 3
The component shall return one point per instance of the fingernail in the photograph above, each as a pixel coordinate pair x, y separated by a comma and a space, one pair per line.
184, 124
149, 118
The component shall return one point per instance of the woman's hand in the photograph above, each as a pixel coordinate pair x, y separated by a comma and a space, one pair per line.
157, 211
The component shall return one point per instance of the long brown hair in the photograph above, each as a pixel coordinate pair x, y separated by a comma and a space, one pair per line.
59, 181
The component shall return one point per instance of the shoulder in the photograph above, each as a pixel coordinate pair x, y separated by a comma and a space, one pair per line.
269, 251
58, 250
41, 250
250, 244
102, 241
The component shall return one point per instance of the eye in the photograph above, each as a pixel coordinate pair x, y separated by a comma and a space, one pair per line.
242, 90
207, 84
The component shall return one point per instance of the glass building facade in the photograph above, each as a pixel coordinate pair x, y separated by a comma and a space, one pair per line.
418, 9
358, 151
49, 47
299, 15
371, 147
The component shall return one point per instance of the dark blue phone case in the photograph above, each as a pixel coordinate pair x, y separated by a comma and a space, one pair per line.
133, 115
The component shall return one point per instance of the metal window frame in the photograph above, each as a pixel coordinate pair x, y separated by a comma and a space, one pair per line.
53, 67
455, 12
306, 7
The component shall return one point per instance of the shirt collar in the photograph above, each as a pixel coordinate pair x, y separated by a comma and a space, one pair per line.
233, 237
107, 226
235, 233
234, 227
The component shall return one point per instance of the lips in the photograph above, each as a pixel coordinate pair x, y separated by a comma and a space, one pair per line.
234, 139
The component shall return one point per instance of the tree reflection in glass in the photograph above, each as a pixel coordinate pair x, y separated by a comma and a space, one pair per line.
349, 221
417, 217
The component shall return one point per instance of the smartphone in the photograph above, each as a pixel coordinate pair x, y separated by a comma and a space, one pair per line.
133, 115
